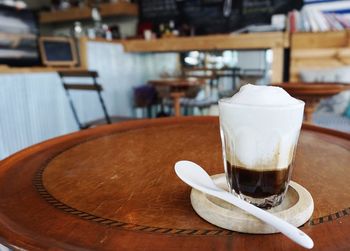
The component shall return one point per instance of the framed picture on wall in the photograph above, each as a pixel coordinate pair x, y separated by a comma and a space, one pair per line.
58, 51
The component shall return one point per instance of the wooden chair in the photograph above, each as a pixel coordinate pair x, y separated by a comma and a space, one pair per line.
82, 86
145, 97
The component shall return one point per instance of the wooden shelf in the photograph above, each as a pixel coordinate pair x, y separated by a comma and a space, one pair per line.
106, 10
318, 51
203, 43
315, 40
35, 69
211, 42
119, 9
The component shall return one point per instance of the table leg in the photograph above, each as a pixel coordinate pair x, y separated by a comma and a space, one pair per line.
310, 107
176, 99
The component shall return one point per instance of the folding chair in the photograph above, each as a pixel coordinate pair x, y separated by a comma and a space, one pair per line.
82, 86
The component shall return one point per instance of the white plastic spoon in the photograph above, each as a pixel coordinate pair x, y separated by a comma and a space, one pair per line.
195, 176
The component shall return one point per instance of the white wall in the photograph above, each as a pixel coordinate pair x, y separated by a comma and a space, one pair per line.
251, 59
120, 72
33, 106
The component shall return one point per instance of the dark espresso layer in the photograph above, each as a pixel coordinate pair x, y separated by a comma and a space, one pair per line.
257, 184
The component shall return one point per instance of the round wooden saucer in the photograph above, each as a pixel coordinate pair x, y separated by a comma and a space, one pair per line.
296, 208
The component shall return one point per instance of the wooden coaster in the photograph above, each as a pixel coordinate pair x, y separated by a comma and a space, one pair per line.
296, 208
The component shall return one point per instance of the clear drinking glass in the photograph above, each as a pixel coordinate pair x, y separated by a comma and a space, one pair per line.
258, 146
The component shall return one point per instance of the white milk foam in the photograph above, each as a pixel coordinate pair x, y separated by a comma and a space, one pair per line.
263, 96
260, 127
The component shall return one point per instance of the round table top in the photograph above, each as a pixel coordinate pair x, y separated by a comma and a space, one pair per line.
114, 188
313, 89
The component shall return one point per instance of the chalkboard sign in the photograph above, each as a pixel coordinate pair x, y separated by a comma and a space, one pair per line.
157, 9
57, 51
207, 16
260, 11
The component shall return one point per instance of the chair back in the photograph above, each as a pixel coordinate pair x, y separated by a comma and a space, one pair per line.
83, 86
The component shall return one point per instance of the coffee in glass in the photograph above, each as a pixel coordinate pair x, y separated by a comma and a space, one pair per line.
259, 129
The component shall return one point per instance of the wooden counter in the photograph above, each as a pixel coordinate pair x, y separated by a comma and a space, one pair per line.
210, 42
308, 50
204, 43
277, 41
35, 69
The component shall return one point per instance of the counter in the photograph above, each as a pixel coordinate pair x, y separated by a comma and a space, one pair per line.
276, 41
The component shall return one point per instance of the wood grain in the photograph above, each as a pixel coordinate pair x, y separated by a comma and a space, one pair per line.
121, 177
306, 40
277, 64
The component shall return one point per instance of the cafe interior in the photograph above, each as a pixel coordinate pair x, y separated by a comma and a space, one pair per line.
100, 98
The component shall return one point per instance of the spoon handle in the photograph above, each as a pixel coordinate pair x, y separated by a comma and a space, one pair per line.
284, 227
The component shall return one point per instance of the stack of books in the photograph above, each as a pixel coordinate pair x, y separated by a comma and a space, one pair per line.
320, 16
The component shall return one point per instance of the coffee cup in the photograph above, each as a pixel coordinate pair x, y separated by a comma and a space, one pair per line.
259, 130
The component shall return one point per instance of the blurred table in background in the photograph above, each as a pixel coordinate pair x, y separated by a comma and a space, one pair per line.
176, 88
312, 93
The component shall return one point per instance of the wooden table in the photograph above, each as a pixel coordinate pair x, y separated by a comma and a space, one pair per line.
178, 87
114, 188
311, 94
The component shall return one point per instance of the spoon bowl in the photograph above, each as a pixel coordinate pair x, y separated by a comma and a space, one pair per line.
196, 177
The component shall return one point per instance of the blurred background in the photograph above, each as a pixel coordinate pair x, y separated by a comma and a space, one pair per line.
155, 58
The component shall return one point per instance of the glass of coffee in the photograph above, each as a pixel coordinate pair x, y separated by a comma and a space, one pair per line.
259, 128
